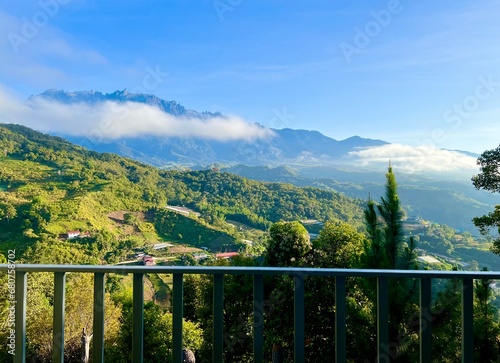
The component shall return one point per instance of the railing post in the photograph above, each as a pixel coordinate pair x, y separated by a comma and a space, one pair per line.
425, 320
138, 319
258, 319
299, 321
178, 305
467, 320
383, 350
20, 316
98, 327
218, 311
340, 320
58, 322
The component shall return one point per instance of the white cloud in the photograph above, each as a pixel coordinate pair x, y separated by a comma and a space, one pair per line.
112, 120
419, 159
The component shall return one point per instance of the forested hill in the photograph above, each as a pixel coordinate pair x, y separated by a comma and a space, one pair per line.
49, 186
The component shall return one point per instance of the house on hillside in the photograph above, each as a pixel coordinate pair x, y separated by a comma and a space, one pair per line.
148, 260
73, 234
182, 210
76, 234
200, 256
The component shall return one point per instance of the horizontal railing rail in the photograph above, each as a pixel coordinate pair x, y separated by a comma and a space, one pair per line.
299, 274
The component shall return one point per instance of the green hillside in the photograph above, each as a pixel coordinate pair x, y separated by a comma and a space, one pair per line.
454, 203
50, 186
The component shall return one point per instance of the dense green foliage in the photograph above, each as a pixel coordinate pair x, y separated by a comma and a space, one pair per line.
48, 186
489, 179
387, 249
195, 232
257, 203
384, 223
157, 335
288, 244
51, 186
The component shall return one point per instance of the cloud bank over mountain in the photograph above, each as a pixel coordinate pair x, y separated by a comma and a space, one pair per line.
110, 120
415, 159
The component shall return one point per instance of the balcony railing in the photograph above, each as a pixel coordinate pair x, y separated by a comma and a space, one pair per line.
258, 273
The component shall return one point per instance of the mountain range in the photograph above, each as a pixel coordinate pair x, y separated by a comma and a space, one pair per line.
286, 146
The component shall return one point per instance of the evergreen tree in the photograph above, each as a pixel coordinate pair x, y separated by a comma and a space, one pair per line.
387, 249
373, 249
391, 212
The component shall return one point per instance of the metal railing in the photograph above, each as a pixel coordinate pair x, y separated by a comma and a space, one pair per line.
258, 273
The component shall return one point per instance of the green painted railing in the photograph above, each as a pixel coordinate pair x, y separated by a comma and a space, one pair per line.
299, 274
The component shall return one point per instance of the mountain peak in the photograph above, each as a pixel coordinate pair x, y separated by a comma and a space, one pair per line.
95, 97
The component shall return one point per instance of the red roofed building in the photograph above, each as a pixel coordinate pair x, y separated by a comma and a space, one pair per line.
148, 261
226, 255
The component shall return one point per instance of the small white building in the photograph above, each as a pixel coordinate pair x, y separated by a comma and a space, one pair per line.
160, 246
73, 234
182, 210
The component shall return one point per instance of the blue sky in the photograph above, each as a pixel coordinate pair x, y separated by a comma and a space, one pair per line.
408, 72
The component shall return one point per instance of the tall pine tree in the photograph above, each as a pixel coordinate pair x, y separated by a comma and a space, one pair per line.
388, 249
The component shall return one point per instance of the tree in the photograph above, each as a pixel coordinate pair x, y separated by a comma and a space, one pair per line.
338, 245
391, 211
373, 256
486, 327
79, 316
446, 328
289, 242
387, 249
7, 211
489, 179
130, 219
158, 326
238, 310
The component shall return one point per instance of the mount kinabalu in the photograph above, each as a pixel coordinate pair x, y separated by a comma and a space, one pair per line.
287, 145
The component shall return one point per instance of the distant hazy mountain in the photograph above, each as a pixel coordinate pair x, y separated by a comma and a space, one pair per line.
287, 146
